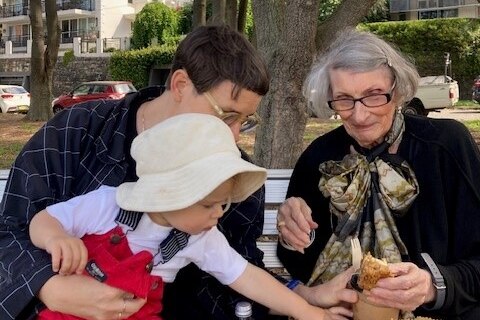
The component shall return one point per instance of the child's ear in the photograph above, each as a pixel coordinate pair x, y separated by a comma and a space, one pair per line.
178, 83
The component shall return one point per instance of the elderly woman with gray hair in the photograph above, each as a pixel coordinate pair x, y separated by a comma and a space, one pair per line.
407, 186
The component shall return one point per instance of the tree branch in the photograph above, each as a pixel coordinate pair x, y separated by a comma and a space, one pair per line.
348, 14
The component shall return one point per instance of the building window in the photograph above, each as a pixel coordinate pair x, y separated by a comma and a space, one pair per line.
84, 28
432, 14
399, 6
19, 34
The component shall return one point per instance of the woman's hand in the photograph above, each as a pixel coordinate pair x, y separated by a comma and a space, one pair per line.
88, 298
294, 222
333, 293
410, 288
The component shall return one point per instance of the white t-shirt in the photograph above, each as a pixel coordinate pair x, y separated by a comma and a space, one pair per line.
95, 213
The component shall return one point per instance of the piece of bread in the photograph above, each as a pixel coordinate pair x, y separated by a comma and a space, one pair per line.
371, 270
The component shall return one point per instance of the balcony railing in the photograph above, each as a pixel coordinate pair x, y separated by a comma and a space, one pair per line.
67, 36
22, 10
14, 10
18, 41
12, 46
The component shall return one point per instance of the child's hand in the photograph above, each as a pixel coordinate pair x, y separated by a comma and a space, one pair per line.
69, 254
339, 313
335, 313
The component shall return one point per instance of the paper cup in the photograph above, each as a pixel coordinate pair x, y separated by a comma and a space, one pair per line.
365, 310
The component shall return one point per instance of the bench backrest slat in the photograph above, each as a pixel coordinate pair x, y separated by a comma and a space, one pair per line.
3, 181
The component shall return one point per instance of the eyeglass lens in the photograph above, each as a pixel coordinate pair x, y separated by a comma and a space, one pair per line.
375, 100
247, 123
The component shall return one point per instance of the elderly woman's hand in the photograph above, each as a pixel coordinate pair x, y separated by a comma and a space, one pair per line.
410, 288
294, 222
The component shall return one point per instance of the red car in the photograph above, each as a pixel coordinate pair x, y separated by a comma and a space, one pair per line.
93, 90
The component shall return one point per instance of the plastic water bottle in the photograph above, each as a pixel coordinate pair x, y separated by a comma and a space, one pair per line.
243, 310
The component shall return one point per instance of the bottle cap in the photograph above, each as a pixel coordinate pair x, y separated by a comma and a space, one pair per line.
243, 309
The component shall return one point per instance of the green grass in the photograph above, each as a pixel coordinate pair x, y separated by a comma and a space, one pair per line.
472, 125
467, 104
8, 152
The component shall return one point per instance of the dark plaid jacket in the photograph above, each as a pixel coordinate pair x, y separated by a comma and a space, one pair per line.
77, 151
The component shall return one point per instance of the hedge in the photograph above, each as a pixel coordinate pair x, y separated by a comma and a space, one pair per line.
426, 41
135, 65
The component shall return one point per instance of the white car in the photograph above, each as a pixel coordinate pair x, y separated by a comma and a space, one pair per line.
14, 99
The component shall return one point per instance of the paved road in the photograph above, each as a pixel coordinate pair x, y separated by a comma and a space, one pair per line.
457, 114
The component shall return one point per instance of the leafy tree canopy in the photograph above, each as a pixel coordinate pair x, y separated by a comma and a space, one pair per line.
155, 23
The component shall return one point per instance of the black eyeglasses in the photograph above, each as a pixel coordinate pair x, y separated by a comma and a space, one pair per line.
370, 101
231, 117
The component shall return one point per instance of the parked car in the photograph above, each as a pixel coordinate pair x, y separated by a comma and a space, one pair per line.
14, 99
433, 93
476, 89
93, 90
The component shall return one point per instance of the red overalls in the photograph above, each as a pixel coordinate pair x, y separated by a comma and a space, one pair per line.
111, 261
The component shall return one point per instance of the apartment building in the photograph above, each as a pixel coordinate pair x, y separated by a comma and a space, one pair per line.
100, 24
430, 9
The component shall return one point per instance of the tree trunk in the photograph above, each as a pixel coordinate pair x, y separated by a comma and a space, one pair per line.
285, 32
231, 13
199, 13
43, 59
288, 34
218, 12
242, 15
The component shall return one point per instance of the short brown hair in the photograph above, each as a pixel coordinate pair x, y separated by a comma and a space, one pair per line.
213, 54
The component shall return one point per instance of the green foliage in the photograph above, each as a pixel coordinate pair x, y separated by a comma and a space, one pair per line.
185, 19
326, 8
154, 21
426, 41
68, 57
379, 12
135, 65
249, 25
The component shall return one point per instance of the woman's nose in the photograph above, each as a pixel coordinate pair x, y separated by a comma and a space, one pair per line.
360, 111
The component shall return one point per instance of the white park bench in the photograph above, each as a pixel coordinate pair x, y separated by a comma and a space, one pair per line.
275, 190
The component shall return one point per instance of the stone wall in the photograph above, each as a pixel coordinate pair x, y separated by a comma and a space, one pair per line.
65, 77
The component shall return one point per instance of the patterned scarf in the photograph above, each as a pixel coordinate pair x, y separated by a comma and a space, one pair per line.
366, 189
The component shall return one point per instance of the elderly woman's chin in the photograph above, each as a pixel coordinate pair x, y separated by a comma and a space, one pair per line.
366, 137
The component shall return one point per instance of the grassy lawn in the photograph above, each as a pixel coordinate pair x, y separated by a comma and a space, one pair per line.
15, 131
467, 104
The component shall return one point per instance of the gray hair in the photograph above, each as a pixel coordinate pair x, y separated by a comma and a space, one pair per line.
359, 51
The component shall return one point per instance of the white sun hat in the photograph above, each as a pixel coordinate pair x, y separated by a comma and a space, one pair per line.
182, 160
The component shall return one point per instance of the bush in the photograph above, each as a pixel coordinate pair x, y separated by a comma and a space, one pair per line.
68, 56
